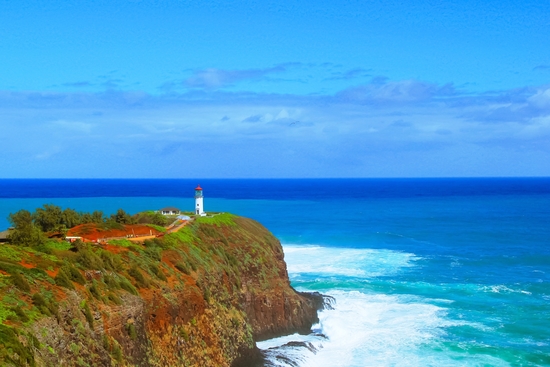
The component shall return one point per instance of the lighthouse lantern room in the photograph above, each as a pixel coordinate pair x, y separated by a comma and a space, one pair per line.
199, 205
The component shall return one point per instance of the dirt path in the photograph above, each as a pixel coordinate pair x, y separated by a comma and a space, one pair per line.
178, 227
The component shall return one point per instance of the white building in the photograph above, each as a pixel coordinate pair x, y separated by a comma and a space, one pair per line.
199, 205
170, 210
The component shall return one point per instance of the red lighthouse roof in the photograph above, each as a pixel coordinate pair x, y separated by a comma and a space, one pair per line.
198, 188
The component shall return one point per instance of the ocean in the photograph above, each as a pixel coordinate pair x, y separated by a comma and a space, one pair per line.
423, 272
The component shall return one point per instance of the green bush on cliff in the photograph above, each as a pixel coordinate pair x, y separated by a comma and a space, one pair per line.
14, 352
114, 298
21, 315
94, 290
154, 253
135, 273
46, 306
20, 282
63, 280
155, 269
88, 314
183, 268
110, 261
127, 286
73, 273
131, 329
89, 260
116, 351
111, 282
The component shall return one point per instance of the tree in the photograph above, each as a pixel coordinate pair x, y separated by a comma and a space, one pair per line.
70, 218
25, 232
48, 218
122, 217
97, 217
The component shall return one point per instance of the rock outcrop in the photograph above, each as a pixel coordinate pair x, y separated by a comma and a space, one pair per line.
199, 297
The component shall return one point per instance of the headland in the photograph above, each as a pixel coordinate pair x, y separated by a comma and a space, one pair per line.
200, 295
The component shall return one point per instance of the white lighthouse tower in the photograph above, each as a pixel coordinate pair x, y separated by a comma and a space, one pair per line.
199, 205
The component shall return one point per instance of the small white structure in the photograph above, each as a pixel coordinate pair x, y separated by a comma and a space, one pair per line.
199, 205
170, 210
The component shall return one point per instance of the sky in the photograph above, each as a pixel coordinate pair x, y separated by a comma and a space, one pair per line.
273, 89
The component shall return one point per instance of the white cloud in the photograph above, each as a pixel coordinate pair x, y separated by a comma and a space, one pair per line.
250, 134
212, 78
541, 99
77, 126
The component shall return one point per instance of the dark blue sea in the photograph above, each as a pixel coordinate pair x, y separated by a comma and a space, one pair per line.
424, 272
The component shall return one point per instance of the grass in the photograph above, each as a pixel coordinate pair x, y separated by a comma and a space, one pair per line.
158, 228
58, 245
217, 220
10, 252
122, 242
185, 236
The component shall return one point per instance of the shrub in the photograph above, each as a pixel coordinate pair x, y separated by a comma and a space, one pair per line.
131, 328
40, 303
157, 271
154, 253
14, 352
20, 282
47, 307
89, 260
117, 352
127, 286
63, 280
74, 274
182, 267
88, 314
135, 273
114, 298
110, 260
94, 290
110, 282
21, 315
105, 341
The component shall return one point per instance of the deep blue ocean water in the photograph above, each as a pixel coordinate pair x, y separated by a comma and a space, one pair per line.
425, 272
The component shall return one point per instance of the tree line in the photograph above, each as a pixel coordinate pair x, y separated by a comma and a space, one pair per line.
30, 228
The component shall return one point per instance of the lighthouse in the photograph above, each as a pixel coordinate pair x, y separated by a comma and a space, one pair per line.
199, 207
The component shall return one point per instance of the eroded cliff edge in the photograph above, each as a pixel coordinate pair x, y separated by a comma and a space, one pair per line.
198, 297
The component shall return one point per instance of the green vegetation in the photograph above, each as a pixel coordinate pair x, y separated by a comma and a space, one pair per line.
122, 242
30, 228
131, 328
217, 220
135, 273
88, 314
12, 346
40, 278
20, 282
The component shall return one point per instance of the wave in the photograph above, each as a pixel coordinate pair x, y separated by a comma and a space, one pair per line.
334, 261
368, 327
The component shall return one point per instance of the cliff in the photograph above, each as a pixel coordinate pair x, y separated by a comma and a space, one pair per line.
201, 296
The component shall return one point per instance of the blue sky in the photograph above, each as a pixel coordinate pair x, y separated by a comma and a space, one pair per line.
274, 89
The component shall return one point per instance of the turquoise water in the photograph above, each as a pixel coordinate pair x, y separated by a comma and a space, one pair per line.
425, 282
438, 279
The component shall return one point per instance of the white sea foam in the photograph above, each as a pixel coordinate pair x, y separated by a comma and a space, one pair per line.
334, 261
366, 328
373, 330
502, 289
